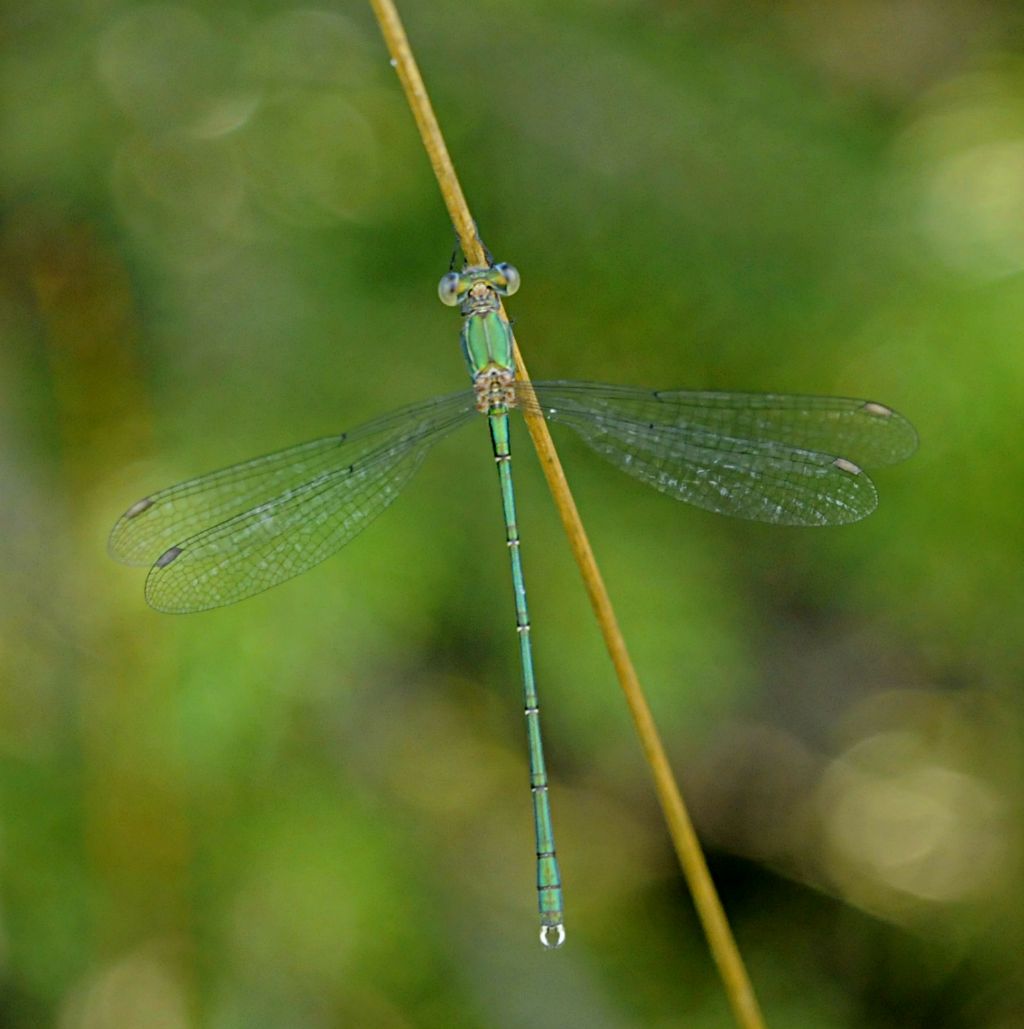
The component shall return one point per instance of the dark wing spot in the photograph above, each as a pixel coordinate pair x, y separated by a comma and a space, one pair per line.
167, 557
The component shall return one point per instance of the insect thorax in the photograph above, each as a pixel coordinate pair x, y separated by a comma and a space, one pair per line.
494, 387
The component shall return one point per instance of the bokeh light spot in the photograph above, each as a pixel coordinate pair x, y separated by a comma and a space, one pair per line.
973, 210
184, 195
162, 65
309, 47
141, 989
312, 158
962, 169
897, 820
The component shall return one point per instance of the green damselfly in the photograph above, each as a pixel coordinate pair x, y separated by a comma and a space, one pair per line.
785, 459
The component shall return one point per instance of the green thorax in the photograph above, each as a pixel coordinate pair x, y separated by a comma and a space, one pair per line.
486, 342
486, 334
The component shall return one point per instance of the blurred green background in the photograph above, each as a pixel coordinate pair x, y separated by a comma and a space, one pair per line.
220, 236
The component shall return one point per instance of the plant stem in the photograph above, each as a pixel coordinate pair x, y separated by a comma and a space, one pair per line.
691, 858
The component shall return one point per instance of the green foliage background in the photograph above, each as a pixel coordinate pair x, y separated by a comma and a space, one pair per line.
220, 236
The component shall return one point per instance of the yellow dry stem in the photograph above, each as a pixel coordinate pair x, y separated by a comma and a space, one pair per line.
691, 857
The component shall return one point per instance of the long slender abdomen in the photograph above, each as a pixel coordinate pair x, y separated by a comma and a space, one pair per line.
549, 883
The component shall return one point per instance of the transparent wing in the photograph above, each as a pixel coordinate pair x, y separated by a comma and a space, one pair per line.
238, 531
790, 460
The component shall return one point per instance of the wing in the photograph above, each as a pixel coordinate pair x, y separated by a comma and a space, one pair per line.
789, 460
238, 531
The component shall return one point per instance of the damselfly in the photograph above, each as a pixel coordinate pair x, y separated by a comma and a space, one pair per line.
785, 459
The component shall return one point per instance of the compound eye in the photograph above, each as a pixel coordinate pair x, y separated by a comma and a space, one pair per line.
511, 274
448, 289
